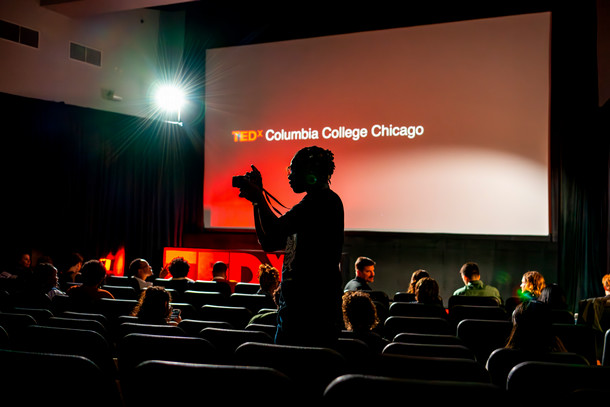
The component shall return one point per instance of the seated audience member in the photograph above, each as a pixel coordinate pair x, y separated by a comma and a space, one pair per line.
154, 307
268, 317
473, 285
70, 273
141, 272
533, 329
554, 296
427, 292
365, 274
86, 295
532, 284
606, 284
219, 273
417, 274
178, 270
43, 286
360, 318
268, 278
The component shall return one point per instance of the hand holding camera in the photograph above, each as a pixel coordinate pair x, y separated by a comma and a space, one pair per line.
250, 185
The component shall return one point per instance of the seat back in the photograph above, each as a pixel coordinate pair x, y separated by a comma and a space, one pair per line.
35, 379
430, 368
15, 325
403, 296
234, 385
414, 309
429, 350
122, 291
192, 327
127, 328
311, 368
71, 341
501, 361
369, 390
79, 323
227, 341
254, 302
472, 300
557, 381
458, 313
246, 288
408, 337
424, 325
238, 317
200, 298
483, 336
136, 348
606, 352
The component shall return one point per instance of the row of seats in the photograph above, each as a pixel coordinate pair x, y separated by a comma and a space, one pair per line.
411, 355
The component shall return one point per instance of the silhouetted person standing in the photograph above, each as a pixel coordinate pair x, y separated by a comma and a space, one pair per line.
311, 233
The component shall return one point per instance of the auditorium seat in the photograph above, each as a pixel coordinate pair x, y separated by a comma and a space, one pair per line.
403, 296
414, 309
188, 384
270, 329
15, 325
38, 379
127, 328
71, 341
246, 288
200, 298
114, 280
558, 382
236, 316
122, 291
254, 302
458, 313
430, 368
483, 336
213, 286
5, 340
359, 357
136, 348
369, 390
192, 327
429, 350
79, 323
311, 368
502, 360
39, 314
394, 325
408, 337
472, 300
226, 341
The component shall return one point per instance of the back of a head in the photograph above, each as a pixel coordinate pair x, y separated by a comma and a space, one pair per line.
134, 266
532, 327
427, 291
93, 273
179, 267
219, 269
268, 277
415, 277
534, 283
470, 270
359, 311
153, 305
606, 282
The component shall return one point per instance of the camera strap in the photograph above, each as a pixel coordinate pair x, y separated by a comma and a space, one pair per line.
268, 196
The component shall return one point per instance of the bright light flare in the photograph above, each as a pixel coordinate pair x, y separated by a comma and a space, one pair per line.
169, 98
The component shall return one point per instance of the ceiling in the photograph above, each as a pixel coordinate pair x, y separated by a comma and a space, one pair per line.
88, 8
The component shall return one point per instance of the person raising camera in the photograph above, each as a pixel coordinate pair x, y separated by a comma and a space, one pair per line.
311, 233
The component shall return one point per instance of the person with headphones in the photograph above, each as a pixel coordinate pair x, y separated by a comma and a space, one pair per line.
311, 233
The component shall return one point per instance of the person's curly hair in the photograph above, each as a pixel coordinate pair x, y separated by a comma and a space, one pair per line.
359, 311
268, 277
153, 305
179, 267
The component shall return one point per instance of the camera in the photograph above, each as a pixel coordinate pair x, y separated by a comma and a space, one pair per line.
240, 181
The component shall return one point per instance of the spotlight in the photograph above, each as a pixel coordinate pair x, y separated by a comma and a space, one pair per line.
170, 99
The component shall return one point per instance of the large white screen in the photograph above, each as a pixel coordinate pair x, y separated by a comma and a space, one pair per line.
472, 98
